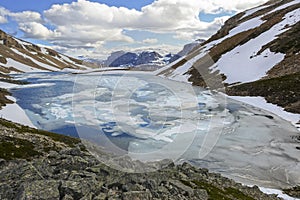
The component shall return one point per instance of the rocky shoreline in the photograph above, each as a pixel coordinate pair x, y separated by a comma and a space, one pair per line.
41, 165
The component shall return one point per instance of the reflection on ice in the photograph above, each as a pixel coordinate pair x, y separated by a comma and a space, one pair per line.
149, 118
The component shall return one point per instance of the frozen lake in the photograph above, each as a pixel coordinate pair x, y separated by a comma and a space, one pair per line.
150, 118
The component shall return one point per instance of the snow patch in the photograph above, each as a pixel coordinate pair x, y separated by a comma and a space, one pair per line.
44, 50
253, 10
48, 67
278, 192
285, 6
245, 26
15, 113
242, 64
7, 85
21, 42
20, 66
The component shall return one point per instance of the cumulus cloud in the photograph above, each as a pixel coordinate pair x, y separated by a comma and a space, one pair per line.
26, 16
85, 20
86, 24
88, 19
37, 30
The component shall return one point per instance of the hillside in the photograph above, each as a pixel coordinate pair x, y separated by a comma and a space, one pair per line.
41, 165
255, 53
19, 56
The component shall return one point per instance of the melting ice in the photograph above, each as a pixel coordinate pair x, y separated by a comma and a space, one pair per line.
150, 118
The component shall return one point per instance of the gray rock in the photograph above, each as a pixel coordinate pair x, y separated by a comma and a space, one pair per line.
39, 190
186, 189
137, 195
200, 194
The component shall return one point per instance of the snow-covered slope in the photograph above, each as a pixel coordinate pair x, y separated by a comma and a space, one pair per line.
248, 32
260, 43
19, 56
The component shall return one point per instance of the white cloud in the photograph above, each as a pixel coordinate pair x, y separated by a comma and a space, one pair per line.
3, 14
26, 16
91, 19
89, 22
2, 20
150, 41
85, 24
37, 30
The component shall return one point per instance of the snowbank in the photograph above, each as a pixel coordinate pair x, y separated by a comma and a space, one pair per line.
261, 102
15, 113
278, 192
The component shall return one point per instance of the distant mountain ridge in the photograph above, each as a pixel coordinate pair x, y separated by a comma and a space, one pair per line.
20, 56
255, 53
132, 59
147, 57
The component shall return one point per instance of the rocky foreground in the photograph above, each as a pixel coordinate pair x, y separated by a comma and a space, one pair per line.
41, 165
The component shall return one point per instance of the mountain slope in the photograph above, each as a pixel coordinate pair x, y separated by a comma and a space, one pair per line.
189, 47
260, 43
19, 56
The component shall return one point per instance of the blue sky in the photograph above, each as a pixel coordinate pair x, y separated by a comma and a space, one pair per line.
40, 5
94, 28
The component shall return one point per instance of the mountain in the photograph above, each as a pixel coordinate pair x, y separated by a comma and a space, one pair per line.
147, 59
113, 56
133, 59
255, 53
19, 56
189, 47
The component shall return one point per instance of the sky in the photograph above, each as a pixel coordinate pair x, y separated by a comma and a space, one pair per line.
95, 28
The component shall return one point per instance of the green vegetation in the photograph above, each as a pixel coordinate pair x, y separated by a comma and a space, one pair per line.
226, 194
217, 193
283, 91
72, 142
12, 148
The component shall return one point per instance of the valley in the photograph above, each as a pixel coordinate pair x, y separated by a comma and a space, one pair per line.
149, 125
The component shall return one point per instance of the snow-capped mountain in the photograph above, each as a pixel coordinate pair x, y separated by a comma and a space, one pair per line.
132, 59
147, 57
113, 56
255, 53
19, 56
